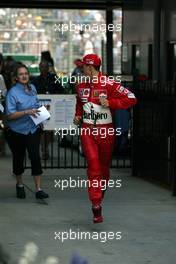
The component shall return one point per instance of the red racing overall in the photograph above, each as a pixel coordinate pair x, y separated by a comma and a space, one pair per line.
97, 133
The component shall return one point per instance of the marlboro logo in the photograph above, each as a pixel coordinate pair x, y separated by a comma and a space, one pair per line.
95, 116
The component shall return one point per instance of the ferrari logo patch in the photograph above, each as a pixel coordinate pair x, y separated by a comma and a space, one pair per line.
95, 93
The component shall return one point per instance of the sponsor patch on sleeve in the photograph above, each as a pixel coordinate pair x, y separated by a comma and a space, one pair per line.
120, 89
130, 95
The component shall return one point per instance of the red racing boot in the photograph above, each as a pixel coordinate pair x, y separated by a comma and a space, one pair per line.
97, 214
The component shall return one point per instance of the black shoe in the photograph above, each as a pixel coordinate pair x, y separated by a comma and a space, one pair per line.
41, 195
20, 192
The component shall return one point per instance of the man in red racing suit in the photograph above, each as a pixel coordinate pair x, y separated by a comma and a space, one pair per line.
96, 100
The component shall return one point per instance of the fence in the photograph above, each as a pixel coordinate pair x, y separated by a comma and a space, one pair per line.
154, 135
67, 153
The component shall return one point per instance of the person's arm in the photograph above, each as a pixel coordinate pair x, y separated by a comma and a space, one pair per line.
19, 114
79, 109
120, 97
11, 108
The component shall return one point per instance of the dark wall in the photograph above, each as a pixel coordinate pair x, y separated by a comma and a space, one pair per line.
152, 23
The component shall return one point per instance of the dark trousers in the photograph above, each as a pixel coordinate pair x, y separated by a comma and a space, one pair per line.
18, 144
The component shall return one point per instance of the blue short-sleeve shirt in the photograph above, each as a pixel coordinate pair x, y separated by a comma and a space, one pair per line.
18, 99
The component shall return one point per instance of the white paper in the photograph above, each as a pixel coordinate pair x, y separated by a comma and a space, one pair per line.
42, 116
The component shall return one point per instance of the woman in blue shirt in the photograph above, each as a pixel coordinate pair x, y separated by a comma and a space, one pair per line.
22, 133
